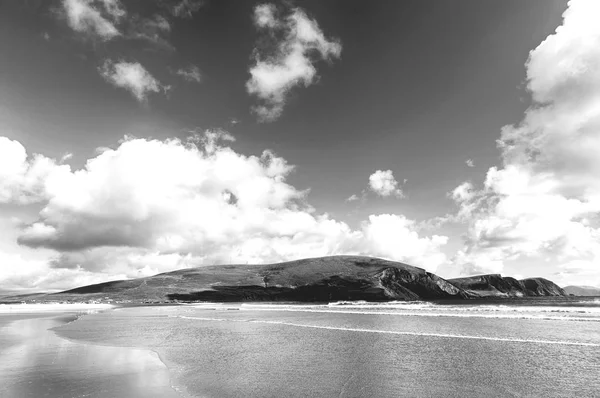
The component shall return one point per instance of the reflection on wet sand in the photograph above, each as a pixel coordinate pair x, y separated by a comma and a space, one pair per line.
34, 362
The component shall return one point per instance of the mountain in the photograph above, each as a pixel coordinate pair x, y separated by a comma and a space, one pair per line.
495, 285
582, 290
310, 280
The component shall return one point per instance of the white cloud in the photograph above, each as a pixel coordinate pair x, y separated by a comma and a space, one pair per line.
151, 206
191, 74
394, 236
290, 63
131, 76
23, 178
264, 16
384, 184
94, 17
544, 200
470, 163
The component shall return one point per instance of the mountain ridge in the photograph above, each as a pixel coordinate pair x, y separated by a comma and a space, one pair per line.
319, 279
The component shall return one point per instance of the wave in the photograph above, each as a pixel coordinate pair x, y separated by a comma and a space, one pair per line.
394, 332
429, 314
431, 309
594, 301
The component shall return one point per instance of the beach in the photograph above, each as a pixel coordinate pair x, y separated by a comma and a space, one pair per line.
546, 349
35, 362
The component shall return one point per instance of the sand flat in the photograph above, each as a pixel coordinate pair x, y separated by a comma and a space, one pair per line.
36, 362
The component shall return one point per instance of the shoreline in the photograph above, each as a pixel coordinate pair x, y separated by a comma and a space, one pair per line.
44, 308
68, 314
178, 388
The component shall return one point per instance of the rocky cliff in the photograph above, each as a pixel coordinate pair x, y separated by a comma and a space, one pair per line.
495, 285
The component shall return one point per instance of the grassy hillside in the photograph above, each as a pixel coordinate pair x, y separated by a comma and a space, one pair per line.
316, 279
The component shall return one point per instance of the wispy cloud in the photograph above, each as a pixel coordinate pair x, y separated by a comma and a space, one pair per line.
66, 157
95, 18
288, 62
152, 30
131, 76
353, 198
183, 8
470, 163
191, 74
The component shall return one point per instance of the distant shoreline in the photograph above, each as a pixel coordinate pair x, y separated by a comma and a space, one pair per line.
42, 307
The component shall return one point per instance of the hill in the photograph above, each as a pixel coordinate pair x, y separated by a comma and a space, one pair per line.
320, 279
495, 285
582, 290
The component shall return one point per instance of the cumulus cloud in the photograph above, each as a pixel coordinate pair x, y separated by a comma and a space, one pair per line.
470, 163
190, 74
542, 203
150, 206
131, 76
384, 184
295, 43
23, 178
23, 275
95, 18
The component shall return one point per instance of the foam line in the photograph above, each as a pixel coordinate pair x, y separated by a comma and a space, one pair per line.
392, 332
429, 314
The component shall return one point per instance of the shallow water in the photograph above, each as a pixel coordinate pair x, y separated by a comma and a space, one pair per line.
523, 349
35, 362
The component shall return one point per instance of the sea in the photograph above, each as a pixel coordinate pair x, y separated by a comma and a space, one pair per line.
532, 347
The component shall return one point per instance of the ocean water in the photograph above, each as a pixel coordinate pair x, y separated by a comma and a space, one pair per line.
507, 348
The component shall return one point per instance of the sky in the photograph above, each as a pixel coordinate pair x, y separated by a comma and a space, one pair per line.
139, 137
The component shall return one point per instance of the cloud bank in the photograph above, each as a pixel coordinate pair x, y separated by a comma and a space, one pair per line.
150, 206
295, 43
542, 204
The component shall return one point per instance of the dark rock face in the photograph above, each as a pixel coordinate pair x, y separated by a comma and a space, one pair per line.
542, 287
495, 285
401, 284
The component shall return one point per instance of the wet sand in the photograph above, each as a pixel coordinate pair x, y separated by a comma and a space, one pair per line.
35, 362
262, 351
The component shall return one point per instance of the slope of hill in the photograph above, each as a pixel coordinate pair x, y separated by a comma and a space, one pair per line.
317, 279
495, 285
310, 280
582, 290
